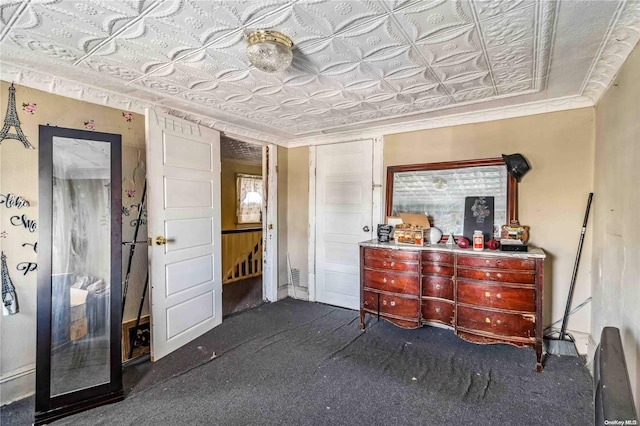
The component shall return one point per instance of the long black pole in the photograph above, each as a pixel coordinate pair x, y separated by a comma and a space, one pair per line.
135, 329
125, 286
575, 269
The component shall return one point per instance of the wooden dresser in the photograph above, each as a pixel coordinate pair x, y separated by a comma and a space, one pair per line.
485, 297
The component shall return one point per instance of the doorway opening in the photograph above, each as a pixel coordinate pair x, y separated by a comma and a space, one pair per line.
243, 194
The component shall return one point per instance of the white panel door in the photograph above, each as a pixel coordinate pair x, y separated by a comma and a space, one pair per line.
343, 219
183, 174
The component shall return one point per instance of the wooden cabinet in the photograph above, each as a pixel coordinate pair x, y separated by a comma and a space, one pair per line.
485, 297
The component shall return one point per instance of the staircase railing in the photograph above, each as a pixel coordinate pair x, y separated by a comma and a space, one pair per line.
241, 254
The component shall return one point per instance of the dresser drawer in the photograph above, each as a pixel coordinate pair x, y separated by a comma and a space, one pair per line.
392, 281
396, 265
524, 277
496, 262
376, 253
436, 310
496, 296
390, 305
435, 286
437, 257
498, 323
437, 269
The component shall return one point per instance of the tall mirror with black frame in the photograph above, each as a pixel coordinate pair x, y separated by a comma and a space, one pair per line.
458, 197
78, 364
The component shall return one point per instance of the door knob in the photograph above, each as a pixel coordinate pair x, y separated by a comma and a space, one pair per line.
366, 228
161, 240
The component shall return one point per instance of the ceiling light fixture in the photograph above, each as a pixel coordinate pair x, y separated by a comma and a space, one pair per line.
269, 51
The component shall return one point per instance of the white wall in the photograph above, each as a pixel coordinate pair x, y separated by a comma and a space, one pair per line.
616, 245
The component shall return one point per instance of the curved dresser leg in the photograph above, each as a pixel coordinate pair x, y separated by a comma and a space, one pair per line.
538, 357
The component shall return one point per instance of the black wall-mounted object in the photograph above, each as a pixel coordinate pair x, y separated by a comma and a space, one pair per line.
78, 349
517, 165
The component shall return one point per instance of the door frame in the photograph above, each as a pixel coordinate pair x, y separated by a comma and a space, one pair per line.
270, 223
377, 207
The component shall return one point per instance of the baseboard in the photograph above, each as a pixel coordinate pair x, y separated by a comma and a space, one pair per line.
283, 292
17, 384
301, 293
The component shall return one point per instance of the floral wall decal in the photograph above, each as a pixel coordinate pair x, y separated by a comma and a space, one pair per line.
130, 193
127, 116
89, 125
29, 108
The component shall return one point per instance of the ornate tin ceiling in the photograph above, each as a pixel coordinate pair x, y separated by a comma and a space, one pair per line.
232, 149
357, 64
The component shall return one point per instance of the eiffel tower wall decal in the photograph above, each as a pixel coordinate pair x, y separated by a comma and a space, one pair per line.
9, 300
11, 120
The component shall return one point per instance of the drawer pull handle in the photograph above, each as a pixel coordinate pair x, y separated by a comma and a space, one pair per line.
384, 263
366, 302
393, 281
438, 310
499, 275
488, 274
384, 302
393, 303
487, 294
487, 320
437, 286
499, 296
437, 257
384, 280
498, 322
488, 261
393, 264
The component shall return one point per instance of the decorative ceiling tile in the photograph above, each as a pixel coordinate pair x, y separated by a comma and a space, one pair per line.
490, 9
356, 62
509, 28
430, 20
233, 149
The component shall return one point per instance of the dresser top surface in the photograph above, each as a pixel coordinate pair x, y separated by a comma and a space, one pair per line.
532, 253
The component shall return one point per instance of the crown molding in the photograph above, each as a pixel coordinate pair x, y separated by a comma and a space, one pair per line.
621, 39
71, 89
492, 114
74, 90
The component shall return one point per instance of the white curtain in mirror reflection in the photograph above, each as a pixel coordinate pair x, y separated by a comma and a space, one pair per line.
441, 194
80, 264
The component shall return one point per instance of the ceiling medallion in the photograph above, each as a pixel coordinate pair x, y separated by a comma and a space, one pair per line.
269, 51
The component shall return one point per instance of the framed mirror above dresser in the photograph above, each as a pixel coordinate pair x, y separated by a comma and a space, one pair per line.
440, 189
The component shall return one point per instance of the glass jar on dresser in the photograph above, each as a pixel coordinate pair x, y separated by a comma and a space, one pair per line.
485, 297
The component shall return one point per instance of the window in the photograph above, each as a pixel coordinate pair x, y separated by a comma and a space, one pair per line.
249, 198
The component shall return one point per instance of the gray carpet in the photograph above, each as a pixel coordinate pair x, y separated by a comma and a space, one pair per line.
300, 363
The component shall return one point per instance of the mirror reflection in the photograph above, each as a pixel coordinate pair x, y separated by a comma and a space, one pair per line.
441, 194
81, 248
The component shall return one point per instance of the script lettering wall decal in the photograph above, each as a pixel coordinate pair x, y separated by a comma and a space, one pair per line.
26, 267
12, 200
28, 224
34, 246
